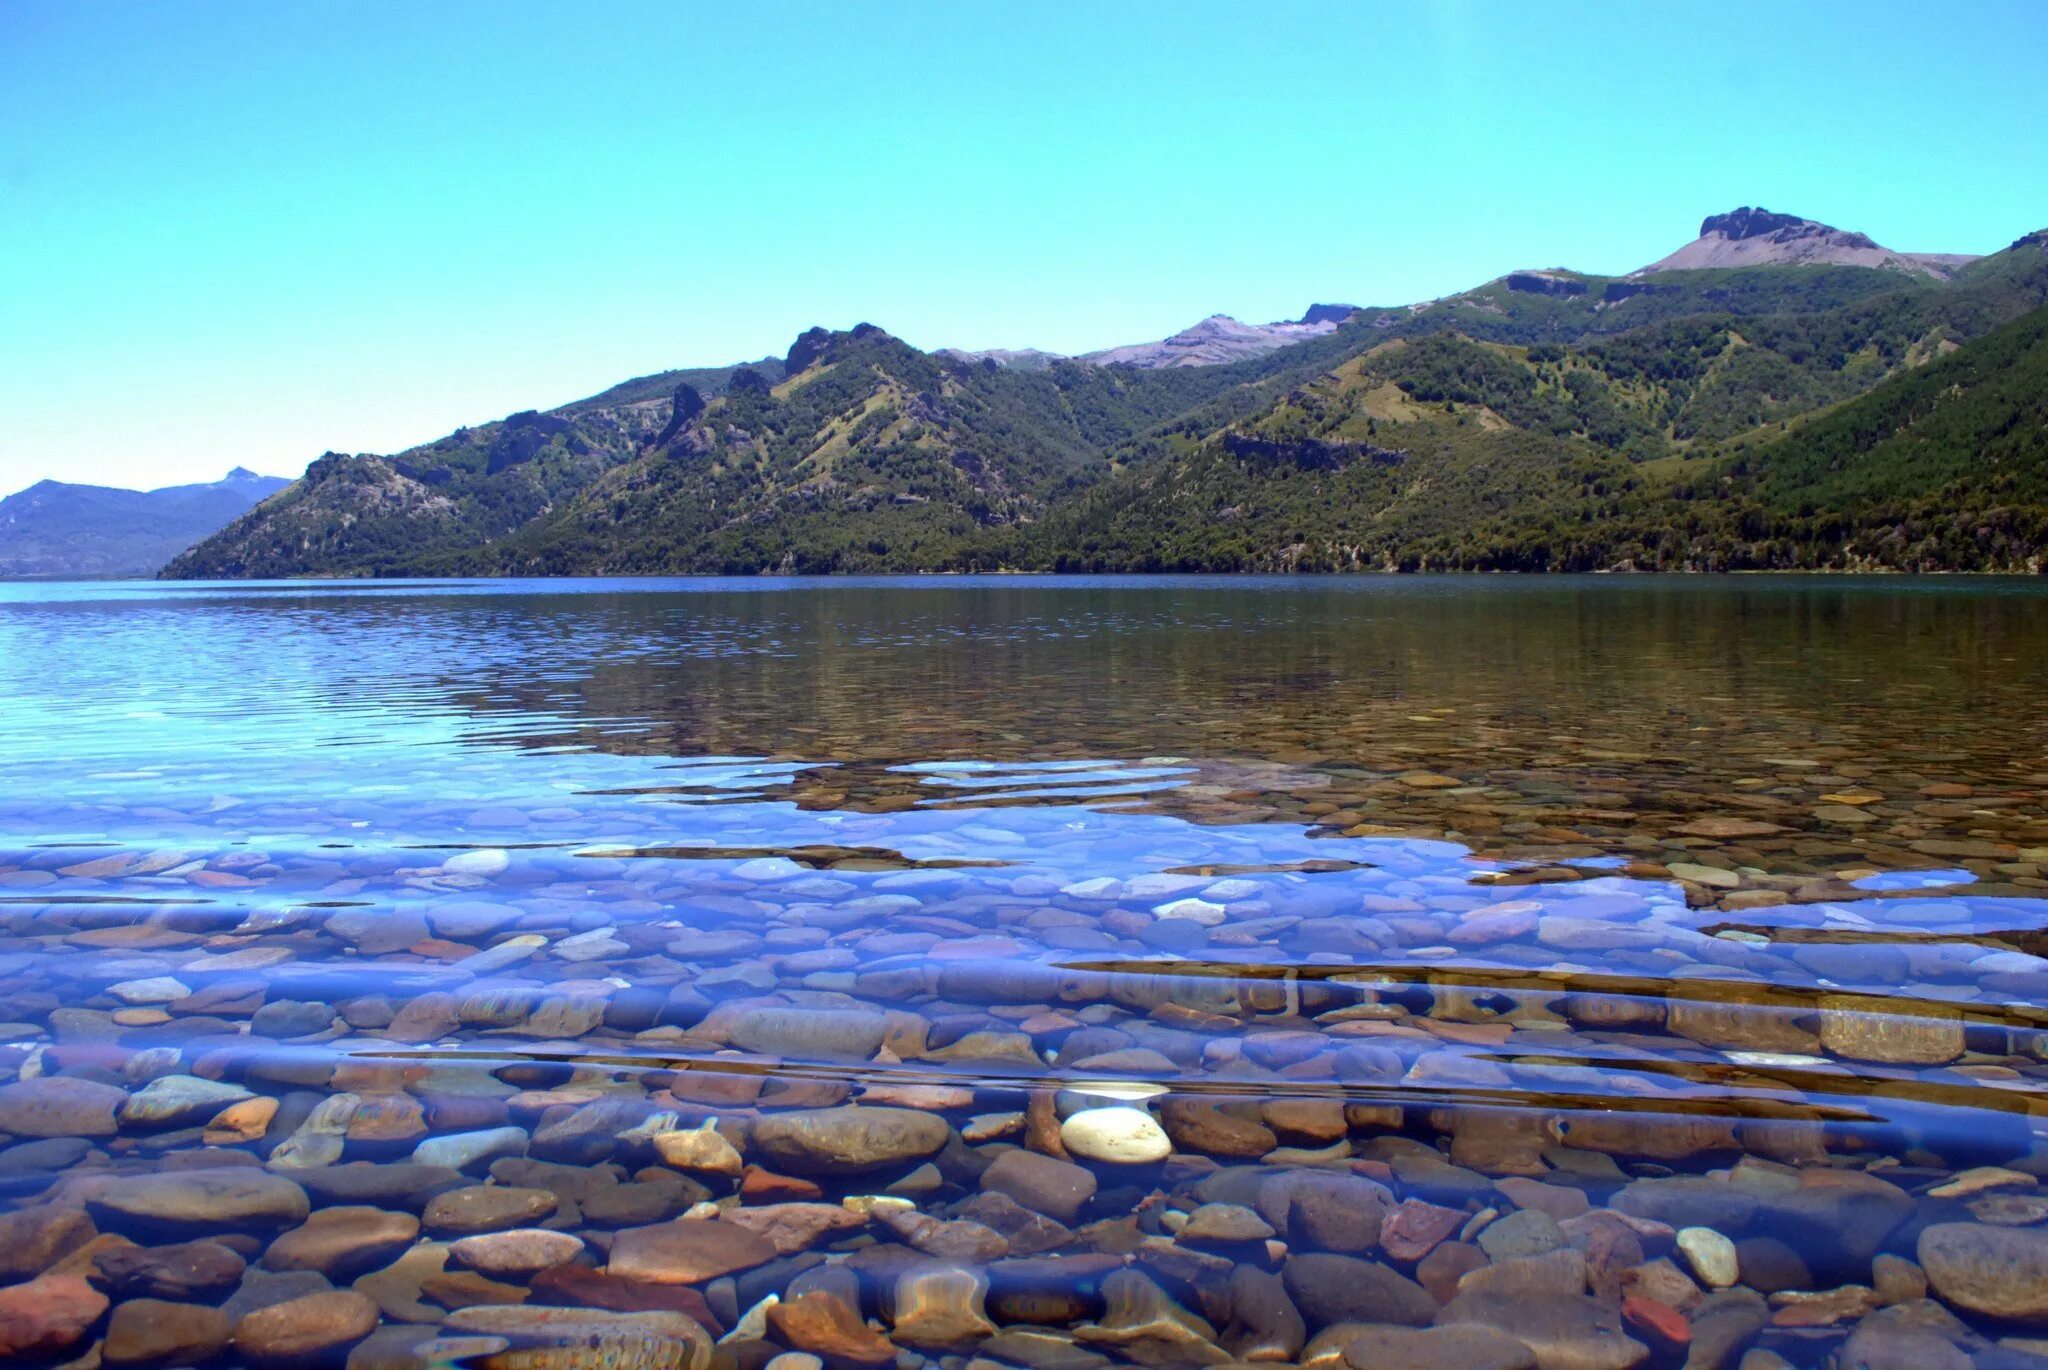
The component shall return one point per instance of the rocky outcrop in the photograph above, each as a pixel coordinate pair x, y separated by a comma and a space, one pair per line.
689, 404
1545, 283
1758, 237
1218, 340
1321, 454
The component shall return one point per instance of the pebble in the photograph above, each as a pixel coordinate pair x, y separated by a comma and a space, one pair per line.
1710, 1255
1115, 1136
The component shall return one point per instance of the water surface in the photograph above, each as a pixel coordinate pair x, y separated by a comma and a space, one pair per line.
1428, 926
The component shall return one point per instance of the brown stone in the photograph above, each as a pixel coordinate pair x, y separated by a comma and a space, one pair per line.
686, 1251
34, 1239
821, 1323
1214, 1130
313, 1329
343, 1242
153, 1332
47, 1315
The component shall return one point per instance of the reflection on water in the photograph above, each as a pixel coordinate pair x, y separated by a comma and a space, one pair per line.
1568, 973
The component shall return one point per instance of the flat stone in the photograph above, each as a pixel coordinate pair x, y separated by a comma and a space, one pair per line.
846, 1141
299, 1331
519, 1252
463, 1150
809, 1033
654, 1340
686, 1251
1042, 1184
1331, 1289
47, 1315
793, 1227
1195, 1125
1361, 1346
1889, 1031
487, 1208
155, 1332
175, 1272
344, 1242
1564, 1333
1224, 1225
60, 1106
1524, 1233
1998, 1272
34, 1239
185, 1203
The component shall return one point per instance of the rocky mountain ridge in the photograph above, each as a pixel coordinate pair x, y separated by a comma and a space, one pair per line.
1757, 237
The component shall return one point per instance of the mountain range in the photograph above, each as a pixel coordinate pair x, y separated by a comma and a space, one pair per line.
56, 530
1777, 393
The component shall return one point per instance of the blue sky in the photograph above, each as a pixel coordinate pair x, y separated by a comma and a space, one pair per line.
249, 232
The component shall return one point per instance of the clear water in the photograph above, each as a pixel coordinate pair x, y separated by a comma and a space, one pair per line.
1446, 886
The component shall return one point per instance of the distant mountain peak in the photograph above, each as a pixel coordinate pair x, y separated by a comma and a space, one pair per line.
814, 345
1754, 236
1221, 339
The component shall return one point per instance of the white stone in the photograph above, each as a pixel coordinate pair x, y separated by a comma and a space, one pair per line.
1711, 1256
765, 870
490, 861
1116, 1136
1193, 910
158, 989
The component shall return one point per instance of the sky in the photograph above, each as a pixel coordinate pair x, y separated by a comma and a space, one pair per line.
246, 233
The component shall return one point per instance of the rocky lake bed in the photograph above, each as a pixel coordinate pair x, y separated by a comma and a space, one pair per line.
1024, 979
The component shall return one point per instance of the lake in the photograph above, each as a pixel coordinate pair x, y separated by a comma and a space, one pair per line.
1577, 972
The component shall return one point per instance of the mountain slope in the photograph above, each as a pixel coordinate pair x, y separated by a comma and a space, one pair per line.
1545, 420
57, 530
871, 455
368, 515
1757, 237
1393, 461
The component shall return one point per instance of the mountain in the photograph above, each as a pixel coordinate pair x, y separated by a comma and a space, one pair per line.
56, 530
367, 515
1757, 237
1220, 339
1216, 341
1865, 437
1547, 419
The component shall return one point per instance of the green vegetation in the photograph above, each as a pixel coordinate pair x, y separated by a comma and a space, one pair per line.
1763, 417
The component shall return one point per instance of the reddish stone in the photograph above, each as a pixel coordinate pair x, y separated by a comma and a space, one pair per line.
47, 1315
1661, 1325
1415, 1228
578, 1286
765, 1185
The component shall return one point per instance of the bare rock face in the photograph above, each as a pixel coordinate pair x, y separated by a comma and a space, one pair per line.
1757, 237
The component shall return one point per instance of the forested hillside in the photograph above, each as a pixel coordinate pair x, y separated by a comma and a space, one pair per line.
1761, 416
